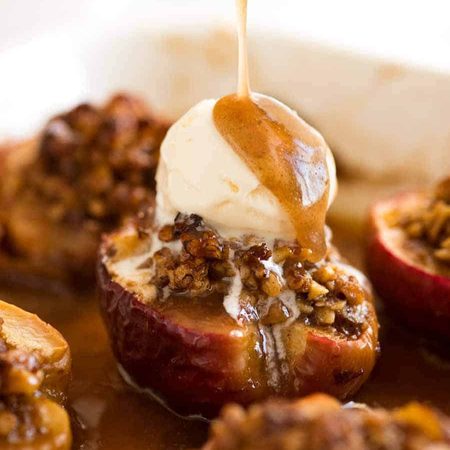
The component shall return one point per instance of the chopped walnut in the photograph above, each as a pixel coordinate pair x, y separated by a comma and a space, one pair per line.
325, 295
203, 244
254, 273
431, 224
297, 277
180, 273
166, 233
202, 261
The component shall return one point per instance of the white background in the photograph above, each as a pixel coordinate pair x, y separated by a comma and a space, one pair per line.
415, 31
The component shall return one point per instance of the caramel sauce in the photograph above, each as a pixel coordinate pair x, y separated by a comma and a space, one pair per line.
285, 154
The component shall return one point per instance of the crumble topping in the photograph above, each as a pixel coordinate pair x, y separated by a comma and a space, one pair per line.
272, 283
20, 379
20, 372
431, 223
96, 165
319, 422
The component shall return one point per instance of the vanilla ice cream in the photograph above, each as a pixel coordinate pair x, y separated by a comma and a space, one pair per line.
199, 172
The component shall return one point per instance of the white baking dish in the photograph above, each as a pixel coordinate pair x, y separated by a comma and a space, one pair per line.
386, 120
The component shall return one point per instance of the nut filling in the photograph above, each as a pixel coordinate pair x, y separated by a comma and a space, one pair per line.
271, 284
95, 165
431, 223
20, 412
319, 422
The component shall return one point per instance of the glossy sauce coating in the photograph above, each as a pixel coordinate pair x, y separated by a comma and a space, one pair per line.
287, 159
285, 154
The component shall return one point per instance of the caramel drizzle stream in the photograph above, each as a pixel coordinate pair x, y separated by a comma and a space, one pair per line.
282, 151
243, 78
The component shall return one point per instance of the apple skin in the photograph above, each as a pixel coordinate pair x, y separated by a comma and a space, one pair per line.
417, 295
197, 369
194, 371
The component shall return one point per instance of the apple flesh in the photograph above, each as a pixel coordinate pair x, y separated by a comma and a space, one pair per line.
48, 250
196, 357
410, 285
36, 248
27, 332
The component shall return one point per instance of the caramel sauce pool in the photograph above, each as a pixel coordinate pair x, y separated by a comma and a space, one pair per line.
108, 414
285, 154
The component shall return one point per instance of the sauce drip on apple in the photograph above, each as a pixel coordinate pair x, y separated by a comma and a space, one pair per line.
281, 149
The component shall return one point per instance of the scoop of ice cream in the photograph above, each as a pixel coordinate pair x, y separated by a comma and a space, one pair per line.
199, 172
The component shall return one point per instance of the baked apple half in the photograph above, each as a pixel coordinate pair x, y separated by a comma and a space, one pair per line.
87, 171
202, 320
408, 256
34, 371
319, 422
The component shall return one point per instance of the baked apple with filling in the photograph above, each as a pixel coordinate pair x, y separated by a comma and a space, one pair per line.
319, 422
34, 371
409, 256
87, 171
230, 290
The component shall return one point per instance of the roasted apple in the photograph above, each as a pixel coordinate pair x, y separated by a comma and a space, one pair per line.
202, 320
34, 370
408, 257
319, 422
84, 174
233, 291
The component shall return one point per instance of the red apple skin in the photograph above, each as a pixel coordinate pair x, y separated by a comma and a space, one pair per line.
197, 370
194, 372
418, 296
